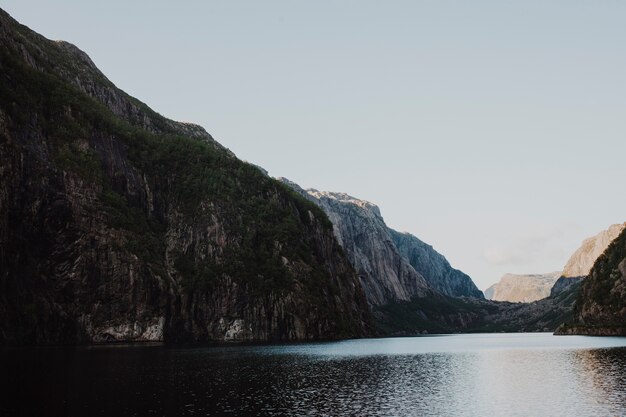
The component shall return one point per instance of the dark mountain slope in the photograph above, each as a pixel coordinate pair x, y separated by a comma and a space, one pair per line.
444, 314
119, 224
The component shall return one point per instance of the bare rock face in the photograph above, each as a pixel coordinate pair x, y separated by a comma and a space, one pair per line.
118, 224
532, 287
523, 288
385, 275
581, 262
434, 267
601, 306
392, 266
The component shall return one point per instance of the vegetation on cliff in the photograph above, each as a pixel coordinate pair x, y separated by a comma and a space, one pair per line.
601, 305
119, 224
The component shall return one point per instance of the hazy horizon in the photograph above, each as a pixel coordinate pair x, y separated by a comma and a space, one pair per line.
494, 132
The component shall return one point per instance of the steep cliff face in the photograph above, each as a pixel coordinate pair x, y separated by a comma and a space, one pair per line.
434, 267
581, 262
523, 288
533, 287
119, 224
601, 305
392, 266
360, 229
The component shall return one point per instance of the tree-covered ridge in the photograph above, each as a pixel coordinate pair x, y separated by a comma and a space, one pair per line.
102, 197
193, 170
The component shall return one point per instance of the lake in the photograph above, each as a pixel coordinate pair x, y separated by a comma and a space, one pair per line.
452, 375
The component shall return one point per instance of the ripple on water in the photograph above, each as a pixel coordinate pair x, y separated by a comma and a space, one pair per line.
464, 375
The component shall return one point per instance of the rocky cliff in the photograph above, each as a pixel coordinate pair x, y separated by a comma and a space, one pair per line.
384, 273
392, 266
581, 261
119, 224
532, 287
601, 305
523, 288
434, 267
444, 314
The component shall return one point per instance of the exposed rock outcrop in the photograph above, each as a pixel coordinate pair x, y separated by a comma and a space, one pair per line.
434, 267
532, 287
523, 288
601, 307
118, 224
581, 261
392, 266
385, 274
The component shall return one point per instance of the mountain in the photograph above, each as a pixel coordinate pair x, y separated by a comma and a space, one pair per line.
522, 288
444, 314
532, 287
384, 257
384, 273
409, 285
378, 252
434, 267
601, 305
488, 293
118, 224
581, 262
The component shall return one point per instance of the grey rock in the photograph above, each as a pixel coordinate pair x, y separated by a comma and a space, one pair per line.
582, 260
361, 231
392, 266
434, 267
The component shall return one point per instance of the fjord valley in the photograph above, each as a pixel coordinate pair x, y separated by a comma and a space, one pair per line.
119, 224
145, 229
147, 269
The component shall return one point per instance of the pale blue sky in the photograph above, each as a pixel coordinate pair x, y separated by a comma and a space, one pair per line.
494, 130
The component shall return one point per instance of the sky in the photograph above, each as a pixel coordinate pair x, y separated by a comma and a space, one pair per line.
493, 130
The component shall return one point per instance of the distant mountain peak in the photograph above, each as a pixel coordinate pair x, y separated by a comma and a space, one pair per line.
522, 288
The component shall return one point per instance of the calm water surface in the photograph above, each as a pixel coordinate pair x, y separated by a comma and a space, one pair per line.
458, 375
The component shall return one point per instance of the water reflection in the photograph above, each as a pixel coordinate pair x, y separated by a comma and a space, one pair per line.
603, 376
472, 375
